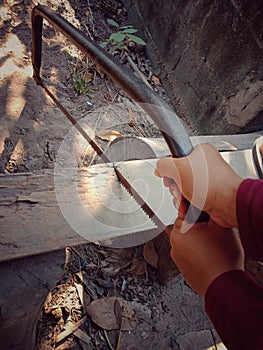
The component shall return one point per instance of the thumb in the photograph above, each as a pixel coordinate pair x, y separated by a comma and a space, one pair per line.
167, 167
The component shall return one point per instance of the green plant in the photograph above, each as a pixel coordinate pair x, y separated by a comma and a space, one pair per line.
81, 85
80, 74
120, 40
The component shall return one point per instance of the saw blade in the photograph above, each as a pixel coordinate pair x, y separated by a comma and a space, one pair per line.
98, 207
105, 225
145, 188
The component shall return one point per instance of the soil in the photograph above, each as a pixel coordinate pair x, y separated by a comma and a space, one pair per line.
169, 315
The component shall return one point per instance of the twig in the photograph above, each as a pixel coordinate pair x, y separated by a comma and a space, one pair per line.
77, 253
82, 336
118, 347
71, 328
91, 15
137, 70
94, 77
117, 312
100, 119
89, 33
107, 339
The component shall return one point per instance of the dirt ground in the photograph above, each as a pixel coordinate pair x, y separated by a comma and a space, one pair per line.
162, 311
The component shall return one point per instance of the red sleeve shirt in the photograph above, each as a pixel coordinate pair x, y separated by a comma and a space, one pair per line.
250, 217
234, 301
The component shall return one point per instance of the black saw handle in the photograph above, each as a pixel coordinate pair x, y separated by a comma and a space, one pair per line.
166, 119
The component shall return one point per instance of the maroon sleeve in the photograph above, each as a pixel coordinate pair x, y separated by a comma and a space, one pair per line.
234, 303
234, 300
250, 217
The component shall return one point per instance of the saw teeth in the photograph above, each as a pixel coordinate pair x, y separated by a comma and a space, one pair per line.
143, 205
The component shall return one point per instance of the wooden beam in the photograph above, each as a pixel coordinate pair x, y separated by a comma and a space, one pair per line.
223, 143
33, 209
131, 147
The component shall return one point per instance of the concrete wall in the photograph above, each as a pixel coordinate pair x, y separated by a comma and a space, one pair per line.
208, 54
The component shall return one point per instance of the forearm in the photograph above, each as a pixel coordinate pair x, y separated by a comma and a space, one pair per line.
234, 303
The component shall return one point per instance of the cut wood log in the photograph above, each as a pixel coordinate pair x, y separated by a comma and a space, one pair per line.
131, 147
96, 206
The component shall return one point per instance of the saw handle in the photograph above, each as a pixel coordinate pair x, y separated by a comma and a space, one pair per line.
195, 215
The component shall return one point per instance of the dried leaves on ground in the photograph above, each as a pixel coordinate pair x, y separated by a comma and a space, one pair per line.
150, 254
104, 292
108, 135
103, 313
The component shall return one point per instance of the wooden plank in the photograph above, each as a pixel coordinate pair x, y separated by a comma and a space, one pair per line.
237, 142
32, 219
223, 143
242, 162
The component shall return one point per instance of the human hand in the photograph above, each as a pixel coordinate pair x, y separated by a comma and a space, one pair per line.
205, 180
205, 252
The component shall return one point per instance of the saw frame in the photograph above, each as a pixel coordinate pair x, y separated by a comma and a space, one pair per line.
162, 115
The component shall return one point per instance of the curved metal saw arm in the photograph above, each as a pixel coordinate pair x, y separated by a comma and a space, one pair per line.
166, 119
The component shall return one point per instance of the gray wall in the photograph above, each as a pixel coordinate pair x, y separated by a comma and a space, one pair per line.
208, 54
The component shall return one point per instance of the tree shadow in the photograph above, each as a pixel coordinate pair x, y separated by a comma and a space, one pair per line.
23, 104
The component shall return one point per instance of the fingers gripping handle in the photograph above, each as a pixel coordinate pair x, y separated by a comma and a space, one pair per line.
195, 215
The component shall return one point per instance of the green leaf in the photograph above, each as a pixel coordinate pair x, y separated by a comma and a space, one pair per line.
104, 43
123, 27
112, 23
130, 30
79, 87
122, 45
136, 39
118, 37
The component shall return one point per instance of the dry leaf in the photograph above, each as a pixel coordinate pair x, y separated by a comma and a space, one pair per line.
138, 267
108, 97
80, 291
156, 80
69, 329
47, 307
167, 270
83, 336
100, 71
109, 135
57, 313
132, 117
150, 254
120, 257
102, 313
117, 312
87, 77
79, 284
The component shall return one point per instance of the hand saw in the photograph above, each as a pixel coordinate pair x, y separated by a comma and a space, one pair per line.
163, 116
